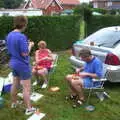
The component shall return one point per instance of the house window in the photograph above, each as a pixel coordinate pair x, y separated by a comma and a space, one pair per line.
95, 5
109, 3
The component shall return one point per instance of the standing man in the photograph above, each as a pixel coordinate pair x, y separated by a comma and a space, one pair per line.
93, 68
19, 48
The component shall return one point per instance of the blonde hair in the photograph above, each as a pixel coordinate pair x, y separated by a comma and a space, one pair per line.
42, 42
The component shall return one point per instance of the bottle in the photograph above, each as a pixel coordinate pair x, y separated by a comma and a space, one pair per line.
1, 102
37, 112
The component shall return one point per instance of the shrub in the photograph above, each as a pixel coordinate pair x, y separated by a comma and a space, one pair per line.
58, 31
97, 22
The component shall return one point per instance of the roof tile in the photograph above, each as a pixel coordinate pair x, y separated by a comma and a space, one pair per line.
70, 2
41, 3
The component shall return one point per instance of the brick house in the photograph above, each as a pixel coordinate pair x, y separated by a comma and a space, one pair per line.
106, 4
50, 7
69, 4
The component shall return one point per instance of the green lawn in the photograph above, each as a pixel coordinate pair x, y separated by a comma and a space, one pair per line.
57, 108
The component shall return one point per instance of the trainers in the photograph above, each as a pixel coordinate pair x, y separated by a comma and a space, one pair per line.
30, 111
13, 105
44, 85
71, 97
78, 103
35, 83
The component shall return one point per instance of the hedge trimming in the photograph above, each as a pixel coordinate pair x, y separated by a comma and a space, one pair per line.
58, 31
97, 22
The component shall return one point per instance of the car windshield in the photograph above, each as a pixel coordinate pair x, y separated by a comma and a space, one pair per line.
104, 37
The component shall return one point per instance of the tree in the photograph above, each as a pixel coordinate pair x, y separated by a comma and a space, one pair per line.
11, 4
84, 10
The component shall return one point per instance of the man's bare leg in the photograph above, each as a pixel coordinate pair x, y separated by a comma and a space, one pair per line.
69, 79
78, 86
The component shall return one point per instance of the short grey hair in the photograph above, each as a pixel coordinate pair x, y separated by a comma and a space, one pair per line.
85, 52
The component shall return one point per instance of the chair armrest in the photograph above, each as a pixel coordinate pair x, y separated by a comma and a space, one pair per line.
101, 79
55, 59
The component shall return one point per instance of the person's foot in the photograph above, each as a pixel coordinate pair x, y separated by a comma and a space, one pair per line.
71, 97
44, 85
14, 105
30, 111
36, 83
78, 103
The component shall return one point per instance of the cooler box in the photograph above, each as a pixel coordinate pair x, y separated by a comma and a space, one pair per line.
7, 88
8, 83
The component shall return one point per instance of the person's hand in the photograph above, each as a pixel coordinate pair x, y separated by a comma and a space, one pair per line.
77, 70
31, 43
46, 58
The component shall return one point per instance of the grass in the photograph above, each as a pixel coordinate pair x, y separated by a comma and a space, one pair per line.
57, 108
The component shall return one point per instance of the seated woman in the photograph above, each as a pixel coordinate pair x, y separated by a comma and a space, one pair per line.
43, 62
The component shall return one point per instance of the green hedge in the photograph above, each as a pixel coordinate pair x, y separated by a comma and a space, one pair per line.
58, 31
5, 26
97, 22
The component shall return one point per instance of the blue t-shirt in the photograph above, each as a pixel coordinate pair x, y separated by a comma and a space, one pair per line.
17, 44
94, 66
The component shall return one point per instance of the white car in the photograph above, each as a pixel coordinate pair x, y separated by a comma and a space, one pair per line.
105, 44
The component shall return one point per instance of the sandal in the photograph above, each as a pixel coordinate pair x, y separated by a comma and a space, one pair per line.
78, 103
71, 97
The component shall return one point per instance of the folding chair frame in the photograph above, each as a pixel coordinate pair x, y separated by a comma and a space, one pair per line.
54, 65
100, 87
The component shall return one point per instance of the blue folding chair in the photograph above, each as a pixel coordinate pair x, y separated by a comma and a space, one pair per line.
100, 87
94, 89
